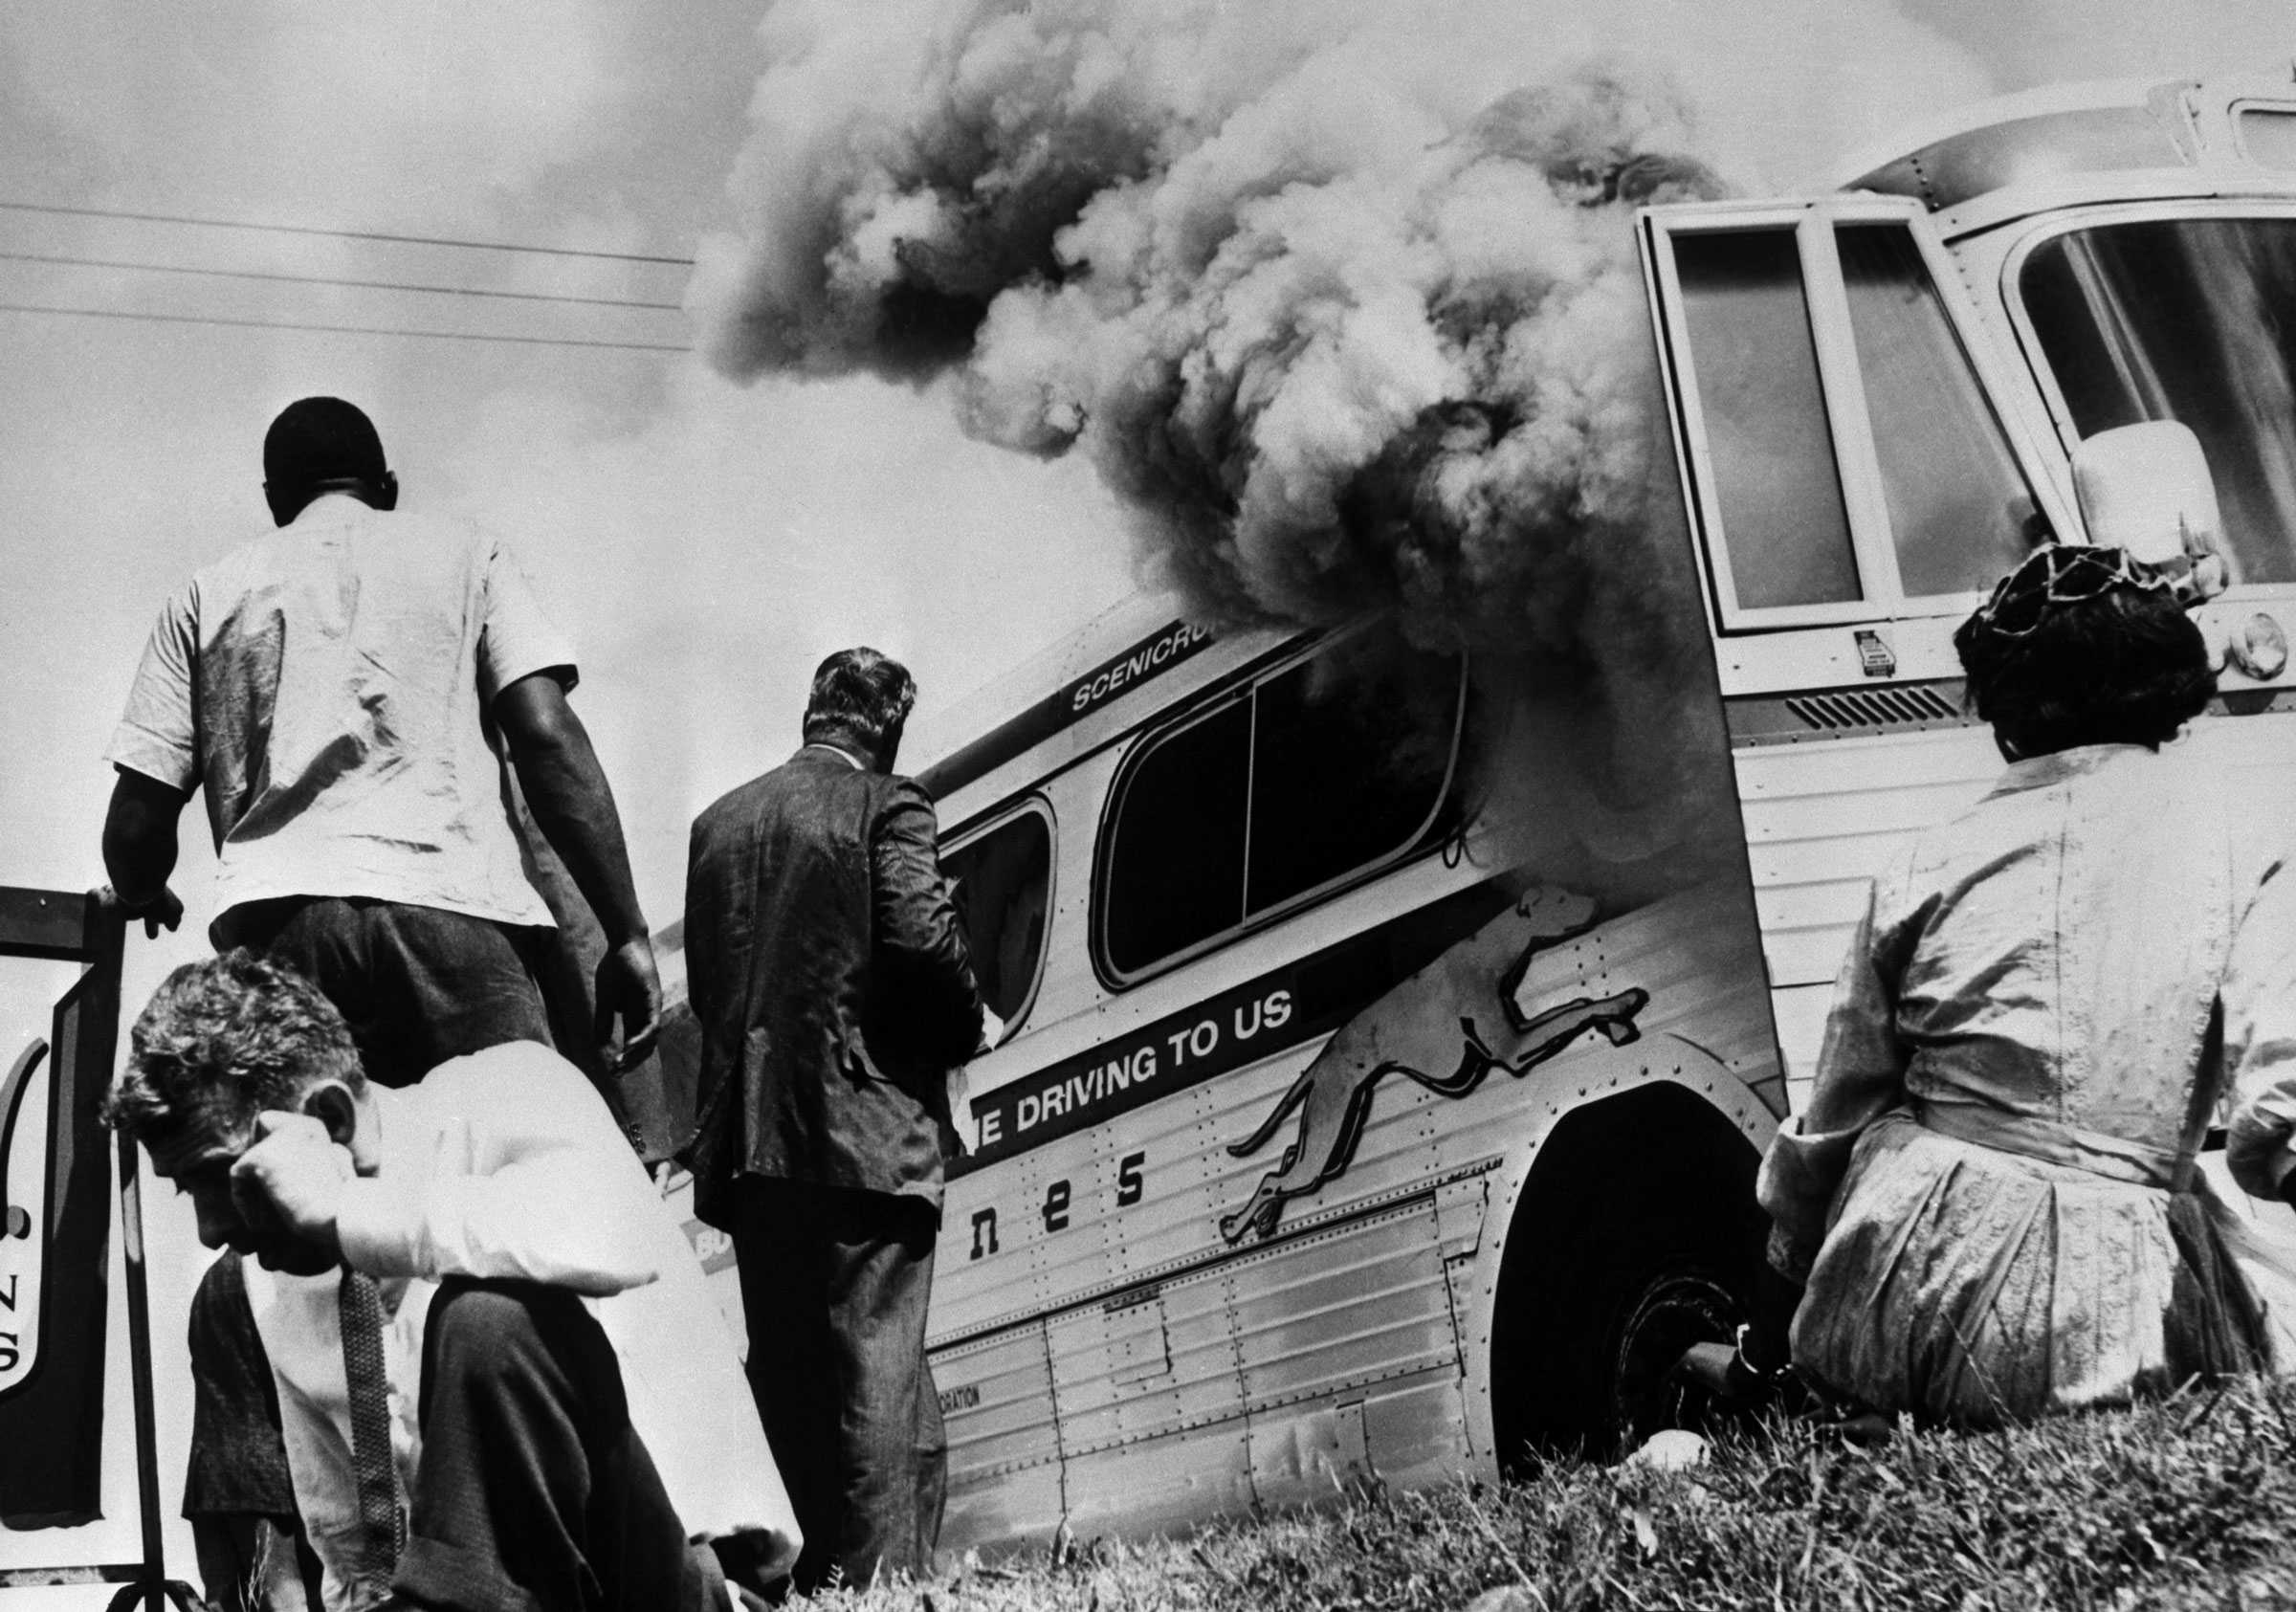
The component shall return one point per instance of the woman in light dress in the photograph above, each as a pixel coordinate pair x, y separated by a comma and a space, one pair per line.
1991, 1195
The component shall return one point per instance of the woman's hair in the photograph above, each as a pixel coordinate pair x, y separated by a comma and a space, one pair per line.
237, 1030
2123, 666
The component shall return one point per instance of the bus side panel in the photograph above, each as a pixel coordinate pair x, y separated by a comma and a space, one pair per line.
1162, 1484
1177, 1310
1358, 1312
1823, 817
1159, 1322
1150, 1409
1005, 1471
1103, 1234
993, 1264
1148, 1362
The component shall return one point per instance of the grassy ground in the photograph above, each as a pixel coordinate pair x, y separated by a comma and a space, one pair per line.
2186, 1504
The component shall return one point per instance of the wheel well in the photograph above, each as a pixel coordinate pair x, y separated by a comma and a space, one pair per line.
1655, 1177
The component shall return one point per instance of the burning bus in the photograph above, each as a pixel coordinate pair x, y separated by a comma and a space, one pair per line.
1392, 1027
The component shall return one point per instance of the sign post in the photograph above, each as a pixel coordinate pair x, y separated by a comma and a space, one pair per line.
54, 1236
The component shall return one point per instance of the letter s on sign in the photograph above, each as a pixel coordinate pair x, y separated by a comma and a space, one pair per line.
1128, 1180
8, 1352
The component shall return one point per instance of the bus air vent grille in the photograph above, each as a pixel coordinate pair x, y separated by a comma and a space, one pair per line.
1873, 708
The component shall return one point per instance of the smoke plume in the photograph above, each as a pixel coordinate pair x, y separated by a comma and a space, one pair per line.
1350, 319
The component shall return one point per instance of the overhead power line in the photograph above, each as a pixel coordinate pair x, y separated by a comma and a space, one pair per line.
65, 261
336, 329
339, 235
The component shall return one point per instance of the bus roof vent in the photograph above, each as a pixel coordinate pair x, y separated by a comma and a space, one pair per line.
1950, 170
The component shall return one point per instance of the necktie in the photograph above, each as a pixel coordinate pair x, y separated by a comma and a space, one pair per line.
372, 1465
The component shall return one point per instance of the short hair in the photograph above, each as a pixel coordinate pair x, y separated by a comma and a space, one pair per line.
239, 1029
318, 439
2125, 666
860, 698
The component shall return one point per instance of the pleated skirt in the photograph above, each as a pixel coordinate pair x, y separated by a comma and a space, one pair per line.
1977, 1287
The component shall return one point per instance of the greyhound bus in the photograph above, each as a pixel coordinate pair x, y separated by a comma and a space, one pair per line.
1334, 1135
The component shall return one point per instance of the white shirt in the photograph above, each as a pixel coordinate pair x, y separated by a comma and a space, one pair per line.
327, 684
507, 1165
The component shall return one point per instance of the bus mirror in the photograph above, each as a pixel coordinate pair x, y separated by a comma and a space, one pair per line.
2146, 488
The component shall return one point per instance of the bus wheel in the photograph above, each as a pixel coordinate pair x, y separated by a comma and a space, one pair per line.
1608, 1275
1672, 1310
1596, 1378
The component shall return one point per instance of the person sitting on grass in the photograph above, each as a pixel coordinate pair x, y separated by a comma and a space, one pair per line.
471, 1298
1992, 1193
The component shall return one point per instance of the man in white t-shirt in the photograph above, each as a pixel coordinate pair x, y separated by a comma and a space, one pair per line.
347, 692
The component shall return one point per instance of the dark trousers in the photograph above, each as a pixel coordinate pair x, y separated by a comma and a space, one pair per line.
833, 1290
416, 984
534, 1492
237, 1495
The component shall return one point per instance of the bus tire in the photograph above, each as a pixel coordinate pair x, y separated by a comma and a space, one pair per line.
1612, 1269
1660, 1311
1596, 1380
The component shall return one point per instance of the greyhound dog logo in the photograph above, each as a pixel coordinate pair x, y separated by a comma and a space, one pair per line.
1413, 1027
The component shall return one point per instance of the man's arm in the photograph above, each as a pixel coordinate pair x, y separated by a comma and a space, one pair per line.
918, 933
563, 1213
528, 1181
140, 849
1861, 1076
567, 792
155, 752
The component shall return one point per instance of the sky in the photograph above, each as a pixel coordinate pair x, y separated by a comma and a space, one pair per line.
703, 542
478, 220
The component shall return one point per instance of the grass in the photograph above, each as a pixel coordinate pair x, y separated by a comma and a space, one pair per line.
2184, 1504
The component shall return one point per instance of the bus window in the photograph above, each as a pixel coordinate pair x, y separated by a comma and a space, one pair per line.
1347, 766
1781, 495
1004, 882
1175, 846
2268, 136
1957, 505
2185, 318
1319, 773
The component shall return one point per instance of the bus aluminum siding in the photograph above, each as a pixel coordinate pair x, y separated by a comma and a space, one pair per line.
1232, 1231
1408, 1161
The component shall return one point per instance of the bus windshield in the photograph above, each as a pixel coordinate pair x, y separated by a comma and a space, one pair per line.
2190, 320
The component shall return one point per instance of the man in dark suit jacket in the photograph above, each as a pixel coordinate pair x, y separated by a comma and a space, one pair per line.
827, 967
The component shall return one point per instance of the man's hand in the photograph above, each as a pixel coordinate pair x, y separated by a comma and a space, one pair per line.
291, 1180
629, 989
162, 910
963, 1125
139, 850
